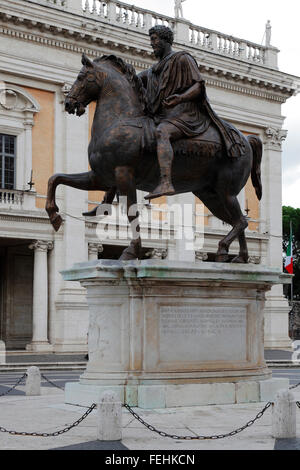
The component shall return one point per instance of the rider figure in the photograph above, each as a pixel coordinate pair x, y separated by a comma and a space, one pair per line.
177, 102
174, 87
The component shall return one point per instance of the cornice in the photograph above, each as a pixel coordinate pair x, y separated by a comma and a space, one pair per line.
231, 84
242, 78
24, 217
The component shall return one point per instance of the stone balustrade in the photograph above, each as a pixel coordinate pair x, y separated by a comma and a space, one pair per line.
140, 19
11, 197
124, 14
17, 199
226, 45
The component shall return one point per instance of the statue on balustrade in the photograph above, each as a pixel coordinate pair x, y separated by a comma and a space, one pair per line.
157, 132
178, 8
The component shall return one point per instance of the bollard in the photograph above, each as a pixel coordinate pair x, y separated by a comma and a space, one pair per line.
109, 417
33, 381
2, 353
284, 415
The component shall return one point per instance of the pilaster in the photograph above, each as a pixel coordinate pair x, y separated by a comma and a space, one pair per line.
277, 307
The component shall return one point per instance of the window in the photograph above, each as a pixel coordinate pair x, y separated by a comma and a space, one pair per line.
7, 161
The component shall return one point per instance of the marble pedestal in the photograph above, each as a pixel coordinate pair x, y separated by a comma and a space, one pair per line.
165, 334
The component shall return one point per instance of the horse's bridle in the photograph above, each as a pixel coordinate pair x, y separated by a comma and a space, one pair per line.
94, 78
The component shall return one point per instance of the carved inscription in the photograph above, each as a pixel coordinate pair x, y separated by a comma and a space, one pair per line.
216, 333
208, 321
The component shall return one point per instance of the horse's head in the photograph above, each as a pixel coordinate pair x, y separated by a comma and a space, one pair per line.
85, 89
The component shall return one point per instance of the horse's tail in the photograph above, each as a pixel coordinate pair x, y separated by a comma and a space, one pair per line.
257, 149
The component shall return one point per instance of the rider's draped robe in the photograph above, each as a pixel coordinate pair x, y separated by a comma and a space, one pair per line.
175, 74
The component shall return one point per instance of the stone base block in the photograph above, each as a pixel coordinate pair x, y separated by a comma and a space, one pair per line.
86, 395
152, 396
167, 334
171, 396
247, 392
269, 388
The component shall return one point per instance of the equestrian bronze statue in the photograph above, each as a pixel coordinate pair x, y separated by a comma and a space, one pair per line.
157, 132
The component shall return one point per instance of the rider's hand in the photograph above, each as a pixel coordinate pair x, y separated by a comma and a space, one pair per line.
172, 101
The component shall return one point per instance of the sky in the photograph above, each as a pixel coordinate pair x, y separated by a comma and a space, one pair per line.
247, 20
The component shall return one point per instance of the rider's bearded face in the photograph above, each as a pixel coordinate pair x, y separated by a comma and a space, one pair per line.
158, 45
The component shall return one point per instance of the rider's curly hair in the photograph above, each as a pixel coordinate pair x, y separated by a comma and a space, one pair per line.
163, 32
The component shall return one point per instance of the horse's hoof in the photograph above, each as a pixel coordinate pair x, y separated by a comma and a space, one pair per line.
240, 259
56, 222
222, 258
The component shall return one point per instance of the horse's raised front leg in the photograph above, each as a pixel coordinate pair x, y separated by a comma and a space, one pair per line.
126, 186
86, 181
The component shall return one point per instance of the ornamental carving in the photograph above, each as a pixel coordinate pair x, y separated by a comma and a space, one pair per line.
41, 245
275, 136
13, 98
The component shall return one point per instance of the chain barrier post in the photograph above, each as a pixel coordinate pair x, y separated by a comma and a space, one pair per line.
109, 426
33, 381
2, 353
284, 415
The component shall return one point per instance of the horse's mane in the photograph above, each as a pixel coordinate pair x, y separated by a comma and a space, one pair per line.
129, 71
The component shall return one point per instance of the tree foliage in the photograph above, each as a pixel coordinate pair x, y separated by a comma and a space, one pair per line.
291, 215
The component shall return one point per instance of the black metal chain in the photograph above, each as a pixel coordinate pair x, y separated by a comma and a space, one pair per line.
136, 416
14, 386
56, 433
190, 438
294, 386
52, 383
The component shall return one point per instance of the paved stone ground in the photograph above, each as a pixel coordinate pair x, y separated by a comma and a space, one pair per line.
48, 413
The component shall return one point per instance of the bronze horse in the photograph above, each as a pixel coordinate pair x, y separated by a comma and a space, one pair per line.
122, 154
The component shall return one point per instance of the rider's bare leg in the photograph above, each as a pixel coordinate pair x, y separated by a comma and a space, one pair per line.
165, 134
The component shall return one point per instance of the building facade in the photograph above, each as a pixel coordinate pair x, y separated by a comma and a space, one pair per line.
40, 50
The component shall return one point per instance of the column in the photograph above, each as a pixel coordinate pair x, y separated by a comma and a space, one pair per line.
40, 341
94, 249
277, 307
